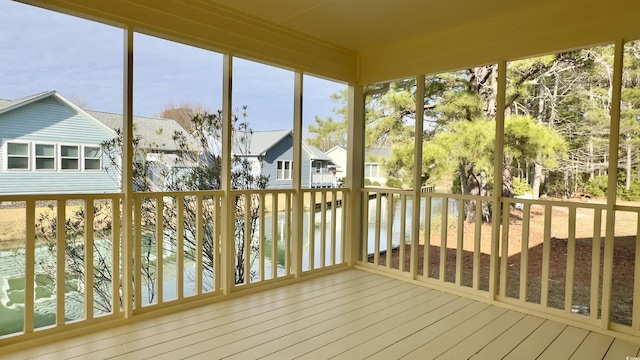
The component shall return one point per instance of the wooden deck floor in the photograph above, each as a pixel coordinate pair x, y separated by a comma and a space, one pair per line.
349, 315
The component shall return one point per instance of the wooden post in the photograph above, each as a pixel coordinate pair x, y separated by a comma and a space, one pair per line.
614, 142
227, 238
298, 196
127, 178
355, 172
417, 178
496, 197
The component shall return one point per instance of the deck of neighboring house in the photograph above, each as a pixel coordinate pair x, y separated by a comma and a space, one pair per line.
352, 314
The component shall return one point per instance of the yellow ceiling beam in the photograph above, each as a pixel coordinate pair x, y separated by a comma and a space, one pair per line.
530, 32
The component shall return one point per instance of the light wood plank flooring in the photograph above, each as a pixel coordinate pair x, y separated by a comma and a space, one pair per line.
349, 315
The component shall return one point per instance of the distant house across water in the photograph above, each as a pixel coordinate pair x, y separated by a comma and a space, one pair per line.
373, 166
271, 152
49, 144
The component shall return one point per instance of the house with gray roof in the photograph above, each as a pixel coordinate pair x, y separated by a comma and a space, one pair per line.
271, 154
373, 166
47, 139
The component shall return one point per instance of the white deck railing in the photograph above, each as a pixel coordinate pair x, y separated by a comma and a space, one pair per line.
48, 262
553, 257
541, 266
177, 251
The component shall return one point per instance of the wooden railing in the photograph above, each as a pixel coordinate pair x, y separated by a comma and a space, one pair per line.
177, 249
553, 257
46, 262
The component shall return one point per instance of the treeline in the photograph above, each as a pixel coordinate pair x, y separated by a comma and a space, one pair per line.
557, 126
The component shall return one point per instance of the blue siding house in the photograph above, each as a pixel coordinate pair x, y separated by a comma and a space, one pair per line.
48, 144
271, 153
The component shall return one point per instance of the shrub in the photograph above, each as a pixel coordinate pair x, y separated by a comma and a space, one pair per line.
521, 187
633, 194
394, 183
597, 187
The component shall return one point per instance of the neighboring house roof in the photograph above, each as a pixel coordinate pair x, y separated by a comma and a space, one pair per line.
315, 153
336, 148
8, 105
155, 133
374, 154
262, 141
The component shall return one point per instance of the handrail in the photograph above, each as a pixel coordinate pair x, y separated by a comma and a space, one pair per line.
455, 254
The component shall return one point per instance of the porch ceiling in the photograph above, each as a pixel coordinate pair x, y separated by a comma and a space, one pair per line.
365, 41
359, 25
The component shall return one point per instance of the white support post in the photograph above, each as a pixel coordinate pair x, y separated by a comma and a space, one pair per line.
614, 142
417, 177
496, 197
227, 241
297, 225
355, 172
127, 179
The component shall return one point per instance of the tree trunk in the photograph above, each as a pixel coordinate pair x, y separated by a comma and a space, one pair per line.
537, 180
627, 184
475, 184
473, 188
507, 177
591, 171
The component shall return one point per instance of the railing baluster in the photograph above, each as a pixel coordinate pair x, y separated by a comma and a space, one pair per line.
334, 225
287, 238
343, 225
30, 274
261, 245
217, 253
546, 256
365, 227
274, 234
323, 228
376, 255
524, 252
60, 261
312, 229
443, 238
504, 254
88, 259
116, 208
635, 314
476, 248
247, 238
571, 260
159, 249
595, 264
426, 260
180, 246
403, 231
389, 251
460, 241
199, 242
137, 252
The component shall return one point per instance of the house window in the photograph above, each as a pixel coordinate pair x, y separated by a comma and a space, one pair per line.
45, 157
318, 167
92, 158
69, 157
371, 170
17, 156
284, 170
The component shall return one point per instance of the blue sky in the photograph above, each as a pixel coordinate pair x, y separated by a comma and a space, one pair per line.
41, 50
